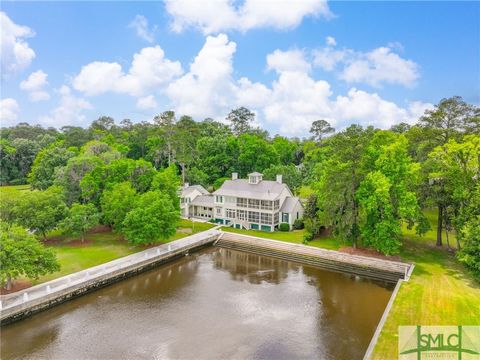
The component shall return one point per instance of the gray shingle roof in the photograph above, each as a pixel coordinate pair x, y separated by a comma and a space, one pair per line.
264, 190
188, 190
289, 204
203, 200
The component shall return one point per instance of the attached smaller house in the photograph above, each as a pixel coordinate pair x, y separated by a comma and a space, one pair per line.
251, 203
196, 202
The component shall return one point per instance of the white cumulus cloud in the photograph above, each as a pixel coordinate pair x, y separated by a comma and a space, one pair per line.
16, 53
35, 84
289, 104
8, 111
213, 16
69, 110
376, 68
149, 70
208, 86
147, 102
291, 60
331, 41
140, 25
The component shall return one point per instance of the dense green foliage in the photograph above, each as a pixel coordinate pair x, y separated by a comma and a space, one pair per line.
116, 203
153, 217
22, 254
284, 227
40, 210
80, 219
363, 184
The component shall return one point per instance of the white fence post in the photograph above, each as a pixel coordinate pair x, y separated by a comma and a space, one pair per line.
25, 297
48, 289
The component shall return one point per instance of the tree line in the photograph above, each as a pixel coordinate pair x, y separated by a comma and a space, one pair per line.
362, 183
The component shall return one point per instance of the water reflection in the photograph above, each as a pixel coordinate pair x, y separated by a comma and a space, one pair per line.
252, 268
216, 304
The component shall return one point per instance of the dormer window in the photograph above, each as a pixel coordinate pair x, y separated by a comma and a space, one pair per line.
254, 178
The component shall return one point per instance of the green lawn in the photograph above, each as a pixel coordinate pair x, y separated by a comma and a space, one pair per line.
14, 187
295, 236
440, 291
103, 247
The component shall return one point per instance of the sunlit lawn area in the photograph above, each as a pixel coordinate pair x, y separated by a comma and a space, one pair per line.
14, 187
440, 291
295, 236
103, 247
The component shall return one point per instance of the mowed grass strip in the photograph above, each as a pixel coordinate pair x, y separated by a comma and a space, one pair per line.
295, 236
440, 292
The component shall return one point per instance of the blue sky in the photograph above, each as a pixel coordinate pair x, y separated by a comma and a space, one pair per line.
379, 63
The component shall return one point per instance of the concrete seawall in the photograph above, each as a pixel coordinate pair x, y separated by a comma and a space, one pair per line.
327, 259
27, 302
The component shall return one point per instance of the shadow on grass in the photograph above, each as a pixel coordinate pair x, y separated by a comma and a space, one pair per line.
464, 276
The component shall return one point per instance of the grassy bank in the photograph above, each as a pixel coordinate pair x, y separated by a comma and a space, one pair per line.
295, 236
102, 247
440, 291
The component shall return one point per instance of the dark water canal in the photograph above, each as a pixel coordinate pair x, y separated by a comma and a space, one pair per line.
214, 304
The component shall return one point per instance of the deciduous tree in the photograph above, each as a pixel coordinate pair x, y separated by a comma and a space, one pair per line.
41, 210
21, 254
153, 218
80, 219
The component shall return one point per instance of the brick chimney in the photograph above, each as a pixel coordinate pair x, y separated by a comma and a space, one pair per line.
234, 176
279, 179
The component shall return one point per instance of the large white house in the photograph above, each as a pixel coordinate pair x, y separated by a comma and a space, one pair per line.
251, 203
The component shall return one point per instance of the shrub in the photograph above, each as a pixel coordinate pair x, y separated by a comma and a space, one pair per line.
298, 224
307, 237
284, 227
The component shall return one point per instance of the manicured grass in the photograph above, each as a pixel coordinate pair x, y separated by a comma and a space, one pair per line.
14, 187
295, 236
440, 292
99, 248
103, 247
430, 237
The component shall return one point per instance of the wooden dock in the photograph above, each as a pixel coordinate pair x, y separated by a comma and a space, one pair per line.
309, 255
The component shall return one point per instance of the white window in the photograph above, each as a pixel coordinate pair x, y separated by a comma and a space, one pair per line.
266, 205
219, 199
230, 213
230, 199
253, 216
241, 215
241, 202
254, 203
219, 211
276, 204
266, 218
